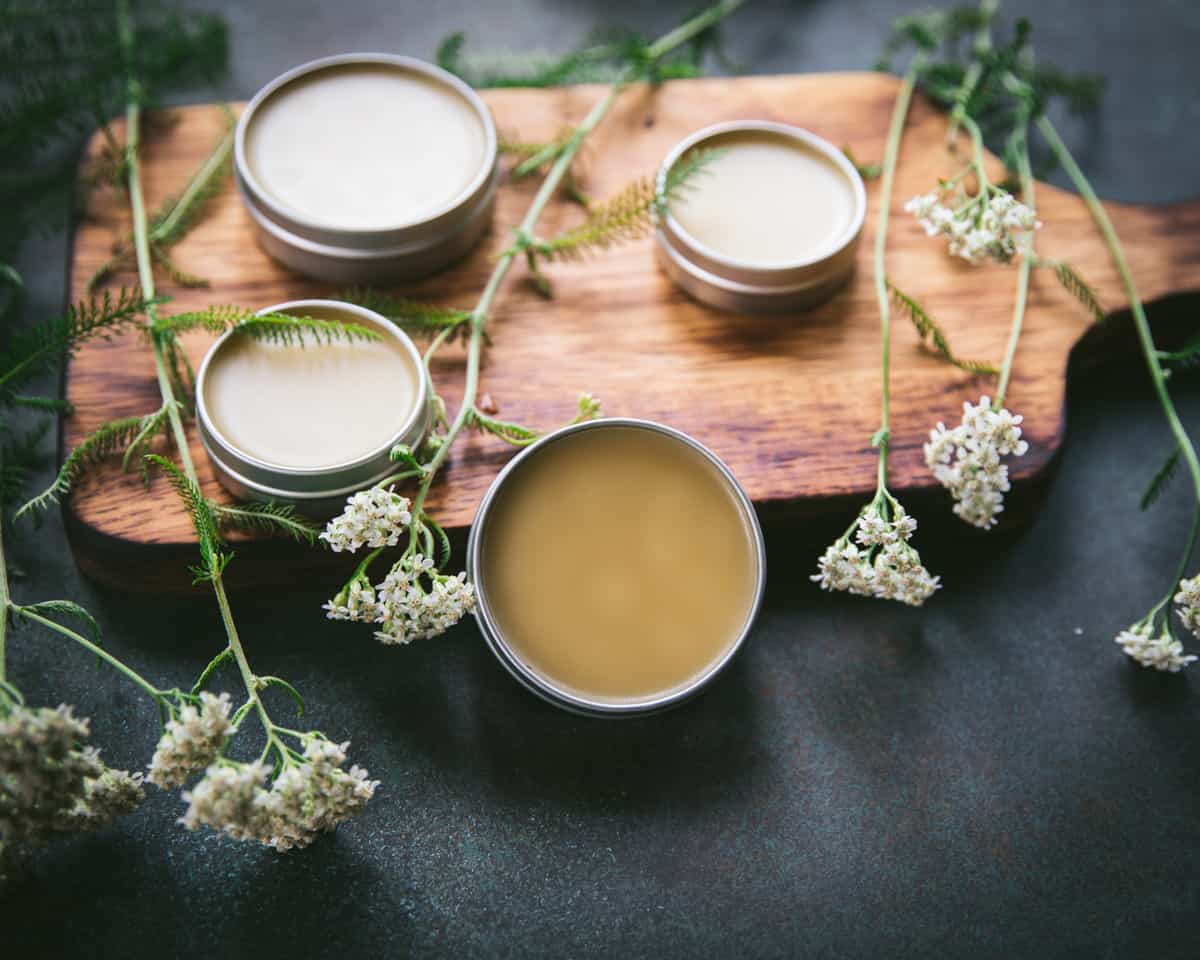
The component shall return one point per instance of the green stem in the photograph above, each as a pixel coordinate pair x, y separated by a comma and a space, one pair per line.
660, 48
94, 648
1023, 270
982, 44
1183, 564
145, 274
895, 131
1149, 351
196, 185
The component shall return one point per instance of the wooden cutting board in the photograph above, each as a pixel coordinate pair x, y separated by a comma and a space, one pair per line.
788, 402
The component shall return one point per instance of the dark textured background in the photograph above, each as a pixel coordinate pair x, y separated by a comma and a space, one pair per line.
988, 777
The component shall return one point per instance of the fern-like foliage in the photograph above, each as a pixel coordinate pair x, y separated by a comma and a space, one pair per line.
213, 559
602, 58
630, 214
281, 328
511, 433
929, 331
1079, 288
419, 319
38, 348
64, 75
1161, 480
128, 435
56, 608
266, 518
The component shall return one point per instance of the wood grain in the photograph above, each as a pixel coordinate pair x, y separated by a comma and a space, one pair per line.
788, 402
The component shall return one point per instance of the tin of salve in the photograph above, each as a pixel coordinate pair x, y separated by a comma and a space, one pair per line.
309, 425
618, 567
367, 168
771, 224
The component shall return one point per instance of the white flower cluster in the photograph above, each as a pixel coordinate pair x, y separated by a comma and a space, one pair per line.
191, 742
881, 564
1163, 652
979, 229
410, 612
50, 782
415, 601
966, 460
373, 518
307, 797
1188, 600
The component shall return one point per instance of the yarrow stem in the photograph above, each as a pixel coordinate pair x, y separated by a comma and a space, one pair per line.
873, 557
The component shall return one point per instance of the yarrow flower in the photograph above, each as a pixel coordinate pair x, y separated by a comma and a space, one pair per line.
978, 227
411, 610
50, 782
310, 795
881, 563
415, 601
966, 460
373, 518
1162, 652
192, 741
1188, 601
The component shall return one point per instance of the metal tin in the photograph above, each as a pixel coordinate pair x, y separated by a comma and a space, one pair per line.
405, 251
321, 491
734, 285
535, 682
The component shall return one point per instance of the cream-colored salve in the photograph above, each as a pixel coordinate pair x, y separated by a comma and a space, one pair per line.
767, 200
365, 147
618, 564
310, 407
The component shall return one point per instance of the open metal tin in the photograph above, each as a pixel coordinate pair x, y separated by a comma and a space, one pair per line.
403, 251
743, 287
321, 491
545, 687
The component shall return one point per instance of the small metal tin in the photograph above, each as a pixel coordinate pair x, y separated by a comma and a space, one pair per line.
322, 491
743, 287
535, 682
405, 251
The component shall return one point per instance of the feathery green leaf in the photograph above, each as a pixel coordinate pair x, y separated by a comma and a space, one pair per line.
629, 215
511, 433
1161, 480
1077, 287
286, 688
129, 434
64, 607
212, 558
267, 518
419, 319
868, 171
273, 327
928, 330
41, 347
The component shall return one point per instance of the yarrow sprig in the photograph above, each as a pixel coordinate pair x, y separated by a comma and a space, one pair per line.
967, 460
874, 557
977, 227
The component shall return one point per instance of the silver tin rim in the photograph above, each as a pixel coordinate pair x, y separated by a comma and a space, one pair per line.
296, 222
730, 283
538, 684
249, 477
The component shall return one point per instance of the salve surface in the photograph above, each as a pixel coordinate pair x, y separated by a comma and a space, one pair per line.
768, 200
618, 564
365, 147
311, 407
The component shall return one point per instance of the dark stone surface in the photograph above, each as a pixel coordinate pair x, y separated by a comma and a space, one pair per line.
989, 777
